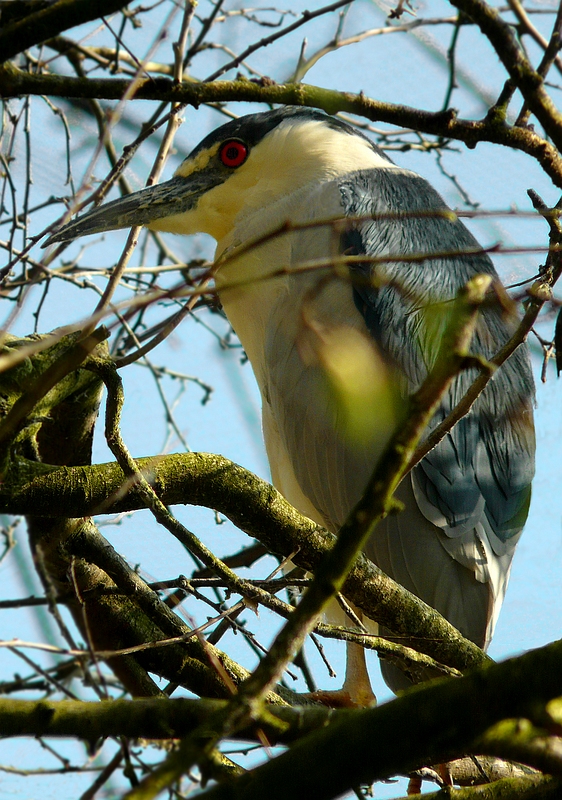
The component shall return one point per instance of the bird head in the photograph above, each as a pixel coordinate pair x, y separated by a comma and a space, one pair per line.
238, 169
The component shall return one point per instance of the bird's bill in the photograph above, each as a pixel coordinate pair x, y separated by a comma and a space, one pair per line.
172, 198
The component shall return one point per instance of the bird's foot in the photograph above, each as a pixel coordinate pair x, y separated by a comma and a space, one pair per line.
440, 774
445, 774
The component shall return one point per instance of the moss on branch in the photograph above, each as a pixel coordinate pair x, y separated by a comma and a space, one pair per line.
430, 724
335, 750
528, 787
257, 509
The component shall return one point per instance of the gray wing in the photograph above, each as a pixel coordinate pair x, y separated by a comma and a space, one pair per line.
485, 466
467, 501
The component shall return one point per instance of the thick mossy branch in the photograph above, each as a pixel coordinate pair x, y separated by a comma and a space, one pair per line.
337, 749
166, 719
521, 740
334, 750
427, 725
35, 389
256, 508
529, 787
151, 719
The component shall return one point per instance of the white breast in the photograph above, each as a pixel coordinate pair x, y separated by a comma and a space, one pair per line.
327, 405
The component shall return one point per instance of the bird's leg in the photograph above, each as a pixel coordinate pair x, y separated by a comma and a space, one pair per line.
356, 690
414, 785
440, 773
357, 683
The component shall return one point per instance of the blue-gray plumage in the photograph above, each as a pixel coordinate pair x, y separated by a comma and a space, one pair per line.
335, 351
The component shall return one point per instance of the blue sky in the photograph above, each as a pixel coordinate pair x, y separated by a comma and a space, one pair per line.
395, 68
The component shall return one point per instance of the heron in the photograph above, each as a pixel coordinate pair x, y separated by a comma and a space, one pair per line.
336, 268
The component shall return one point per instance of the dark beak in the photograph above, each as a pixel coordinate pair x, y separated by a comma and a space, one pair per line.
174, 197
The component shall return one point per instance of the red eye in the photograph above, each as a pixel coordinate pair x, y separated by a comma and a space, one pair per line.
233, 153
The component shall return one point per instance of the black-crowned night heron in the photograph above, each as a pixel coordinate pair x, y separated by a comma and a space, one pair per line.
335, 346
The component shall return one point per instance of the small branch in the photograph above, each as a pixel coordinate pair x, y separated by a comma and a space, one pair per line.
50, 21
306, 17
15, 82
549, 58
528, 27
384, 647
520, 70
139, 485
